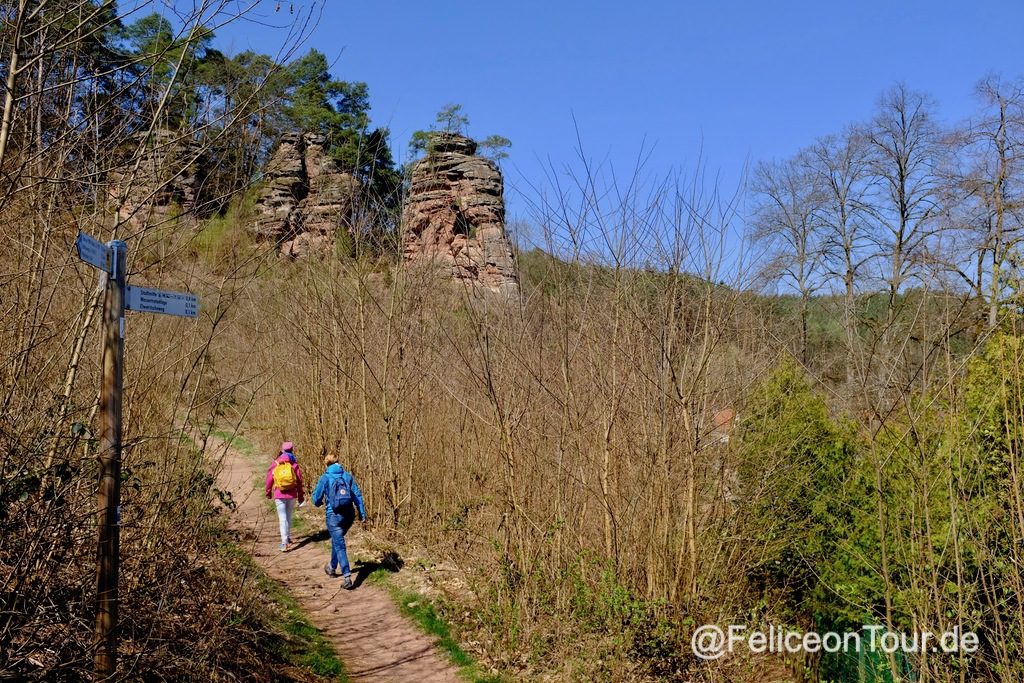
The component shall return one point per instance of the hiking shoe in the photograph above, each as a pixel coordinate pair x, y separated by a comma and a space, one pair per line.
284, 547
330, 572
347, 584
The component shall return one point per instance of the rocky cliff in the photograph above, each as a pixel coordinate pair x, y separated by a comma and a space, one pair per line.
165, 183
306, 198
454, 216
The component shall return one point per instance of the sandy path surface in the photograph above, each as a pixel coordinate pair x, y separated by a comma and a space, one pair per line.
372, 639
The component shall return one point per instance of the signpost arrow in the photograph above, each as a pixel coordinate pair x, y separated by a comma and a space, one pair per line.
162, 301
93, 252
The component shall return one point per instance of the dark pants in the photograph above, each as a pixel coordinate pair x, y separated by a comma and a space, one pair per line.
338, 524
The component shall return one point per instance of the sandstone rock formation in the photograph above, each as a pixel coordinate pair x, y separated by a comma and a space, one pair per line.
166, 182
306, 198
284, 184
454, 216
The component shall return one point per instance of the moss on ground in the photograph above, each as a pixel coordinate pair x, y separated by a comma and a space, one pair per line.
237, 441
423, 611
298, 644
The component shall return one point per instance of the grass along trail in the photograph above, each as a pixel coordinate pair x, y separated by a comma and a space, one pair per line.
374, 641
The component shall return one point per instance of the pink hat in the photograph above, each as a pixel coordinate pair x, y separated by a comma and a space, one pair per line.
287, 446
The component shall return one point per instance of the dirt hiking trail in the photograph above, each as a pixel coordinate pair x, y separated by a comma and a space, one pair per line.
373, 640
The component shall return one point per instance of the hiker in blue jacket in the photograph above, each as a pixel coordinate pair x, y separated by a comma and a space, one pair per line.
339, 491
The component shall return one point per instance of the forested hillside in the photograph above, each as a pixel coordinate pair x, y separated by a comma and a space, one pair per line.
800, 403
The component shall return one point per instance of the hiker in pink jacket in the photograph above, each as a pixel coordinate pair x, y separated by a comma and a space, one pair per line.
284, 485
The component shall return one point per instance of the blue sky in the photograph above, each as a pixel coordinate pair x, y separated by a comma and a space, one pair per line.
744, 81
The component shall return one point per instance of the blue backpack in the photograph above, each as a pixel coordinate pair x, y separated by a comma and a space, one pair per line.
339, 494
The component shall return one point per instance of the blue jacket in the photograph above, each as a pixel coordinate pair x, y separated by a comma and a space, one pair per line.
333, 472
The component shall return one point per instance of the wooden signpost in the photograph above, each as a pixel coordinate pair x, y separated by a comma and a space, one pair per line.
110, 258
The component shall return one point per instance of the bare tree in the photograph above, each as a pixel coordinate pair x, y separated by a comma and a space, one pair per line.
839, 164
789, 223
995, 181
905, 152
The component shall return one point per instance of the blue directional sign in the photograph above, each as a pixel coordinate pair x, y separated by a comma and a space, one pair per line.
93, 252
161, 301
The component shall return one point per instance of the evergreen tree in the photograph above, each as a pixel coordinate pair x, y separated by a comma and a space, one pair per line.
452, 118
168, 65
797, 478
339, 110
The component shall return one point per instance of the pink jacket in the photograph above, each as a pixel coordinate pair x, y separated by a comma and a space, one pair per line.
278, 493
